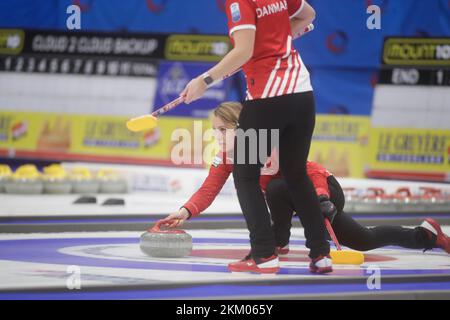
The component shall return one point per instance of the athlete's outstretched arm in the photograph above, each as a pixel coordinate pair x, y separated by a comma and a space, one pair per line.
303, 19
204, 196
244, 41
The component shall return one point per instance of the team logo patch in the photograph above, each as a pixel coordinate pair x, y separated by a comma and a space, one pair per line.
217, 161
235, 12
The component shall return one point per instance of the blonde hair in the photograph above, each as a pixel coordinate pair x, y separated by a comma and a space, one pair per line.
228, 112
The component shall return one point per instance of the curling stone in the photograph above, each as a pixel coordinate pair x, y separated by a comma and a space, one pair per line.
111, 182
83, 182
406, 198
432, 195
375, 196
5, 175
166, 243
55, 180
26, 180
351, 194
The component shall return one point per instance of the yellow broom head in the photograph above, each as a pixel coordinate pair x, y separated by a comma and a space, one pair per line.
142, 123
347, 257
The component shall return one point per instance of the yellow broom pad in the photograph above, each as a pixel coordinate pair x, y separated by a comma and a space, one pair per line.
347, 257
142, 123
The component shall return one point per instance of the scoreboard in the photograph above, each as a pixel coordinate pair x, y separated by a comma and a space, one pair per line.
415, 61
68, 94
78, 72
88, 54
411, 111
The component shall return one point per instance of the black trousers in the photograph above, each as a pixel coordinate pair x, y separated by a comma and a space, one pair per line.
349, 232
293, 117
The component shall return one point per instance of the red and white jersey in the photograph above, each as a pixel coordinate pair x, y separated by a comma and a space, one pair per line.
276, 68
222, 168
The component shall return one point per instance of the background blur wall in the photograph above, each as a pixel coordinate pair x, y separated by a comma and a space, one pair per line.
343, 56
365, 124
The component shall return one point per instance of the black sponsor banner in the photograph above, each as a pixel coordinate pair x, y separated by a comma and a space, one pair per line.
79, 65
417, 52
415, 76
195, 47
187, 47
129, 45
103, 53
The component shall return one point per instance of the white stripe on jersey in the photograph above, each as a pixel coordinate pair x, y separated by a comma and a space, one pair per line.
249, 96
287, 74
303, 82
288, 47
275, 87
242, 27
270, 80
300, 70
294, 74
299, 10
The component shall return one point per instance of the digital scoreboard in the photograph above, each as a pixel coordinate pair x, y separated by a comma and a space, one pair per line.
415, 61
410, 122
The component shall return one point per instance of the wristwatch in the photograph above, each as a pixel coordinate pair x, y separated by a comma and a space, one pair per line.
208, 79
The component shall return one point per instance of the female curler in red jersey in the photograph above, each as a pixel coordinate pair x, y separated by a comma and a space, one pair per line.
279, 100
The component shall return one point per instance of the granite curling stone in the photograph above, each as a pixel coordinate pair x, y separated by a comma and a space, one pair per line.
5, 175
83, 182
111, 182
172, 243
55, 180
25, 180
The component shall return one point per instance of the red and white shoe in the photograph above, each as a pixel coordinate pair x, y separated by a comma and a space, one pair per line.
440, 239
283, 250
322, 264
258, 265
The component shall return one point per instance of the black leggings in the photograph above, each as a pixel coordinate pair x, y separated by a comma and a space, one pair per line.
349, 232
294, 116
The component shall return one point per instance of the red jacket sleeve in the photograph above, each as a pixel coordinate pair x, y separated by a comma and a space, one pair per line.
210, 188
318, 175
241, 14
294, 7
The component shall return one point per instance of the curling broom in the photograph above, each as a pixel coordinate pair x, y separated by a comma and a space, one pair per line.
149, 121
343, 256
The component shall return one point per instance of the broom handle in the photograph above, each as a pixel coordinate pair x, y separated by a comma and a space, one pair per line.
332, 235
168, 106
180, 100
172, 104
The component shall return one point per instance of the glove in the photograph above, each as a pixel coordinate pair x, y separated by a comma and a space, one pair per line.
327, 207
